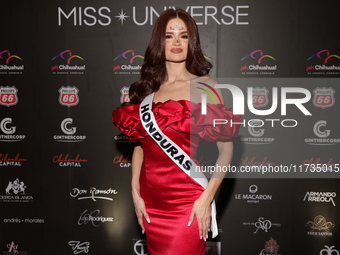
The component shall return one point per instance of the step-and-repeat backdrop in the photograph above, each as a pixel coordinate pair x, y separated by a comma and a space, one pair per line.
65, 169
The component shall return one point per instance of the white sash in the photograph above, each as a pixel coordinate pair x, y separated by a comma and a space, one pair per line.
178, 156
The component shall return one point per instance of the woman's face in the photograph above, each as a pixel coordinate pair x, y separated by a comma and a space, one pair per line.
176, 41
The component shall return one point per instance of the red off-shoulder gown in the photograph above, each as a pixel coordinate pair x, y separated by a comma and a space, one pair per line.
168, 192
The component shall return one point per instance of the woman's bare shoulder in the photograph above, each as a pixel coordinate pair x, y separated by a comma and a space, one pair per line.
204, 85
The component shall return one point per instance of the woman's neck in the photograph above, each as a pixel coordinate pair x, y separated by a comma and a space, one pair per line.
177, 72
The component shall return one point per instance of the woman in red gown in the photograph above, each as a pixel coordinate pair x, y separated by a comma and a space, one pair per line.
172, 208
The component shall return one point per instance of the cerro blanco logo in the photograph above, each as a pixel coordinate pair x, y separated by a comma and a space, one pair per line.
69, 130
16, 187
329, 251
16, 192
8, 96
79, 247
8, 129
204, 15
320, 130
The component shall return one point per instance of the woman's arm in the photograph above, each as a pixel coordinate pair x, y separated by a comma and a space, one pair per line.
137, 159
202, 206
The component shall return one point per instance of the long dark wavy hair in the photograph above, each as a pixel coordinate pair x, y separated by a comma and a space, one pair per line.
153, 72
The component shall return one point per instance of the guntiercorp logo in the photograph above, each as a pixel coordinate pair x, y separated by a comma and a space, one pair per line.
65, 67
93, 194
9, 68
257, 133
146, 15
322, 135
9, 131
8, 96
69, 132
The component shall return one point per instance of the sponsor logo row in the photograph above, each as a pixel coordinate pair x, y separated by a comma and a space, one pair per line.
15, 191
271, 246
257, 62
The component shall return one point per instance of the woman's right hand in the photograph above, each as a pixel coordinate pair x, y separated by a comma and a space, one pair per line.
140, 211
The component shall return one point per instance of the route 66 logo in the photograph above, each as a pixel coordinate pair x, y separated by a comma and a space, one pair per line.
260, 97
323, 97
68, 96
8, 96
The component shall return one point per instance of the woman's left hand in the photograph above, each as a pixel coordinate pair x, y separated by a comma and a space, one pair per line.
202, 211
